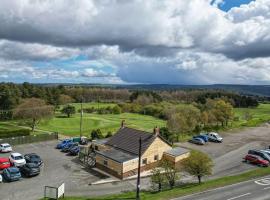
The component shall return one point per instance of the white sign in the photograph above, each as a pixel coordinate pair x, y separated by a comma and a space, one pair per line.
61, 190
50, 192
264, 181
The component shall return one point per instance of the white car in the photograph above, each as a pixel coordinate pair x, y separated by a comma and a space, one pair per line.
214, 137
1, 178
5, 148
17, 160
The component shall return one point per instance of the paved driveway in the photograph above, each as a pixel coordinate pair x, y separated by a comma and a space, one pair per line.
57, 168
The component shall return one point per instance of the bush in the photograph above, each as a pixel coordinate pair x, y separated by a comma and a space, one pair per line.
116, 110
14, 133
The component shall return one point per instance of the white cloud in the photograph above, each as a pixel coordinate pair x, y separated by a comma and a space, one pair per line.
180, 41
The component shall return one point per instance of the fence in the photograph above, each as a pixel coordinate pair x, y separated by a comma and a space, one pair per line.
30, 138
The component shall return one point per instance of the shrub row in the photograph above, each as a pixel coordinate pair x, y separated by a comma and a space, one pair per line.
14, 133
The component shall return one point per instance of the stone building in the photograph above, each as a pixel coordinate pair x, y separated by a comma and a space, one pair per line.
118, 155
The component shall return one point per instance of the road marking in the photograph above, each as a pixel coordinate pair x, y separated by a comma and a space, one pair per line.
265, 181
239, 196
266, 188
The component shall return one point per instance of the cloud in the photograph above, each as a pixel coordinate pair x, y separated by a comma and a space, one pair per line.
180, 41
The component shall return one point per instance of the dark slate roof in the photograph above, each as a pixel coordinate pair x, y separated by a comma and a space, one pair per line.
127, 139
177, 151
117, 155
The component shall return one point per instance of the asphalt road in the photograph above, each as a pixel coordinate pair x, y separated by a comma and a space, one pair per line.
250, 190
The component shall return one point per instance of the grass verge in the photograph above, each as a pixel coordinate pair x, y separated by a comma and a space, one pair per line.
185, 189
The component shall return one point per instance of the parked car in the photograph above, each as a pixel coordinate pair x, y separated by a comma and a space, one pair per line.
4, 148
197, 141
257, 160
17, 160
260, 153
30, 169
4, 163
33, 158
84, 140
74, 151
11, 174
63, 143
214, 137
203, 137
68, 147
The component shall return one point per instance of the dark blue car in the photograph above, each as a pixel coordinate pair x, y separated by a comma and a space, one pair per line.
203, 137
69, 146
62, 144
11, 174
74, 151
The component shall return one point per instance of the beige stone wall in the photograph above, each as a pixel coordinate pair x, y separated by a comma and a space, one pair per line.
158, 147
113, 165
130, 165
101, 147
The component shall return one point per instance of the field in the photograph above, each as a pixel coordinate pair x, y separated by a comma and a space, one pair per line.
109, 122
258, 115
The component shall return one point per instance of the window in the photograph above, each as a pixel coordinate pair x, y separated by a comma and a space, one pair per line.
144, 161
156, 157
105, 162
96, 148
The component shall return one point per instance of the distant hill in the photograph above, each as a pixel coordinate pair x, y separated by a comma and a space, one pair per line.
260, 90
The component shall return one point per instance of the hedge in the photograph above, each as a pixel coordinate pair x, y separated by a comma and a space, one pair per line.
14, 133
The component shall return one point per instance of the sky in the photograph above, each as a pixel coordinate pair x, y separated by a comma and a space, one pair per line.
135, 41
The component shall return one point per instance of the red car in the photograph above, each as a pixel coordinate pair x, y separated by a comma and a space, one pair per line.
4, 163
257, 160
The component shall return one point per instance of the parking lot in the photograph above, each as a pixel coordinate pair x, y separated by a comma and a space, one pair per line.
57, 168
228, 156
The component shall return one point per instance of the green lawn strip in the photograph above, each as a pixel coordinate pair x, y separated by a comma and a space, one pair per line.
185, 189
107, 122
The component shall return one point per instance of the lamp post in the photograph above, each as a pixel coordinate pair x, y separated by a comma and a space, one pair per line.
81, 119
139, 171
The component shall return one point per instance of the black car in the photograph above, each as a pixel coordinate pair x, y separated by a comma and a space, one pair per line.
33, 158
30, 169
260, 153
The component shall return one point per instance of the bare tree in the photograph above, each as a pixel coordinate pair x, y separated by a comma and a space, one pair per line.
33, 109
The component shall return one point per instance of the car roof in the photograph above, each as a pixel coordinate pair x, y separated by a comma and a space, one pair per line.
5, 144
16, 154
4, 159
13, 169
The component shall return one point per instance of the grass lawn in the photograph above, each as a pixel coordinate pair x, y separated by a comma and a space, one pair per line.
108, 122
6, 126
259, 115
185, 189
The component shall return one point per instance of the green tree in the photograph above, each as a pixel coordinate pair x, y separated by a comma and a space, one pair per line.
170, 173
198, 164
116, 110
69, 110
157, 178
33, 109
96, 134
109, 134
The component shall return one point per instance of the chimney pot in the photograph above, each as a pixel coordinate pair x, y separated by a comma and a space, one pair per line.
156, 131
123, 124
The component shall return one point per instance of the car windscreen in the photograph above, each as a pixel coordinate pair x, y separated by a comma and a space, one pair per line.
13, 170
6, 146
18, 157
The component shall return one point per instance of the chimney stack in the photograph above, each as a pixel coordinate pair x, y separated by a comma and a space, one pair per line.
156, 131
123, 124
